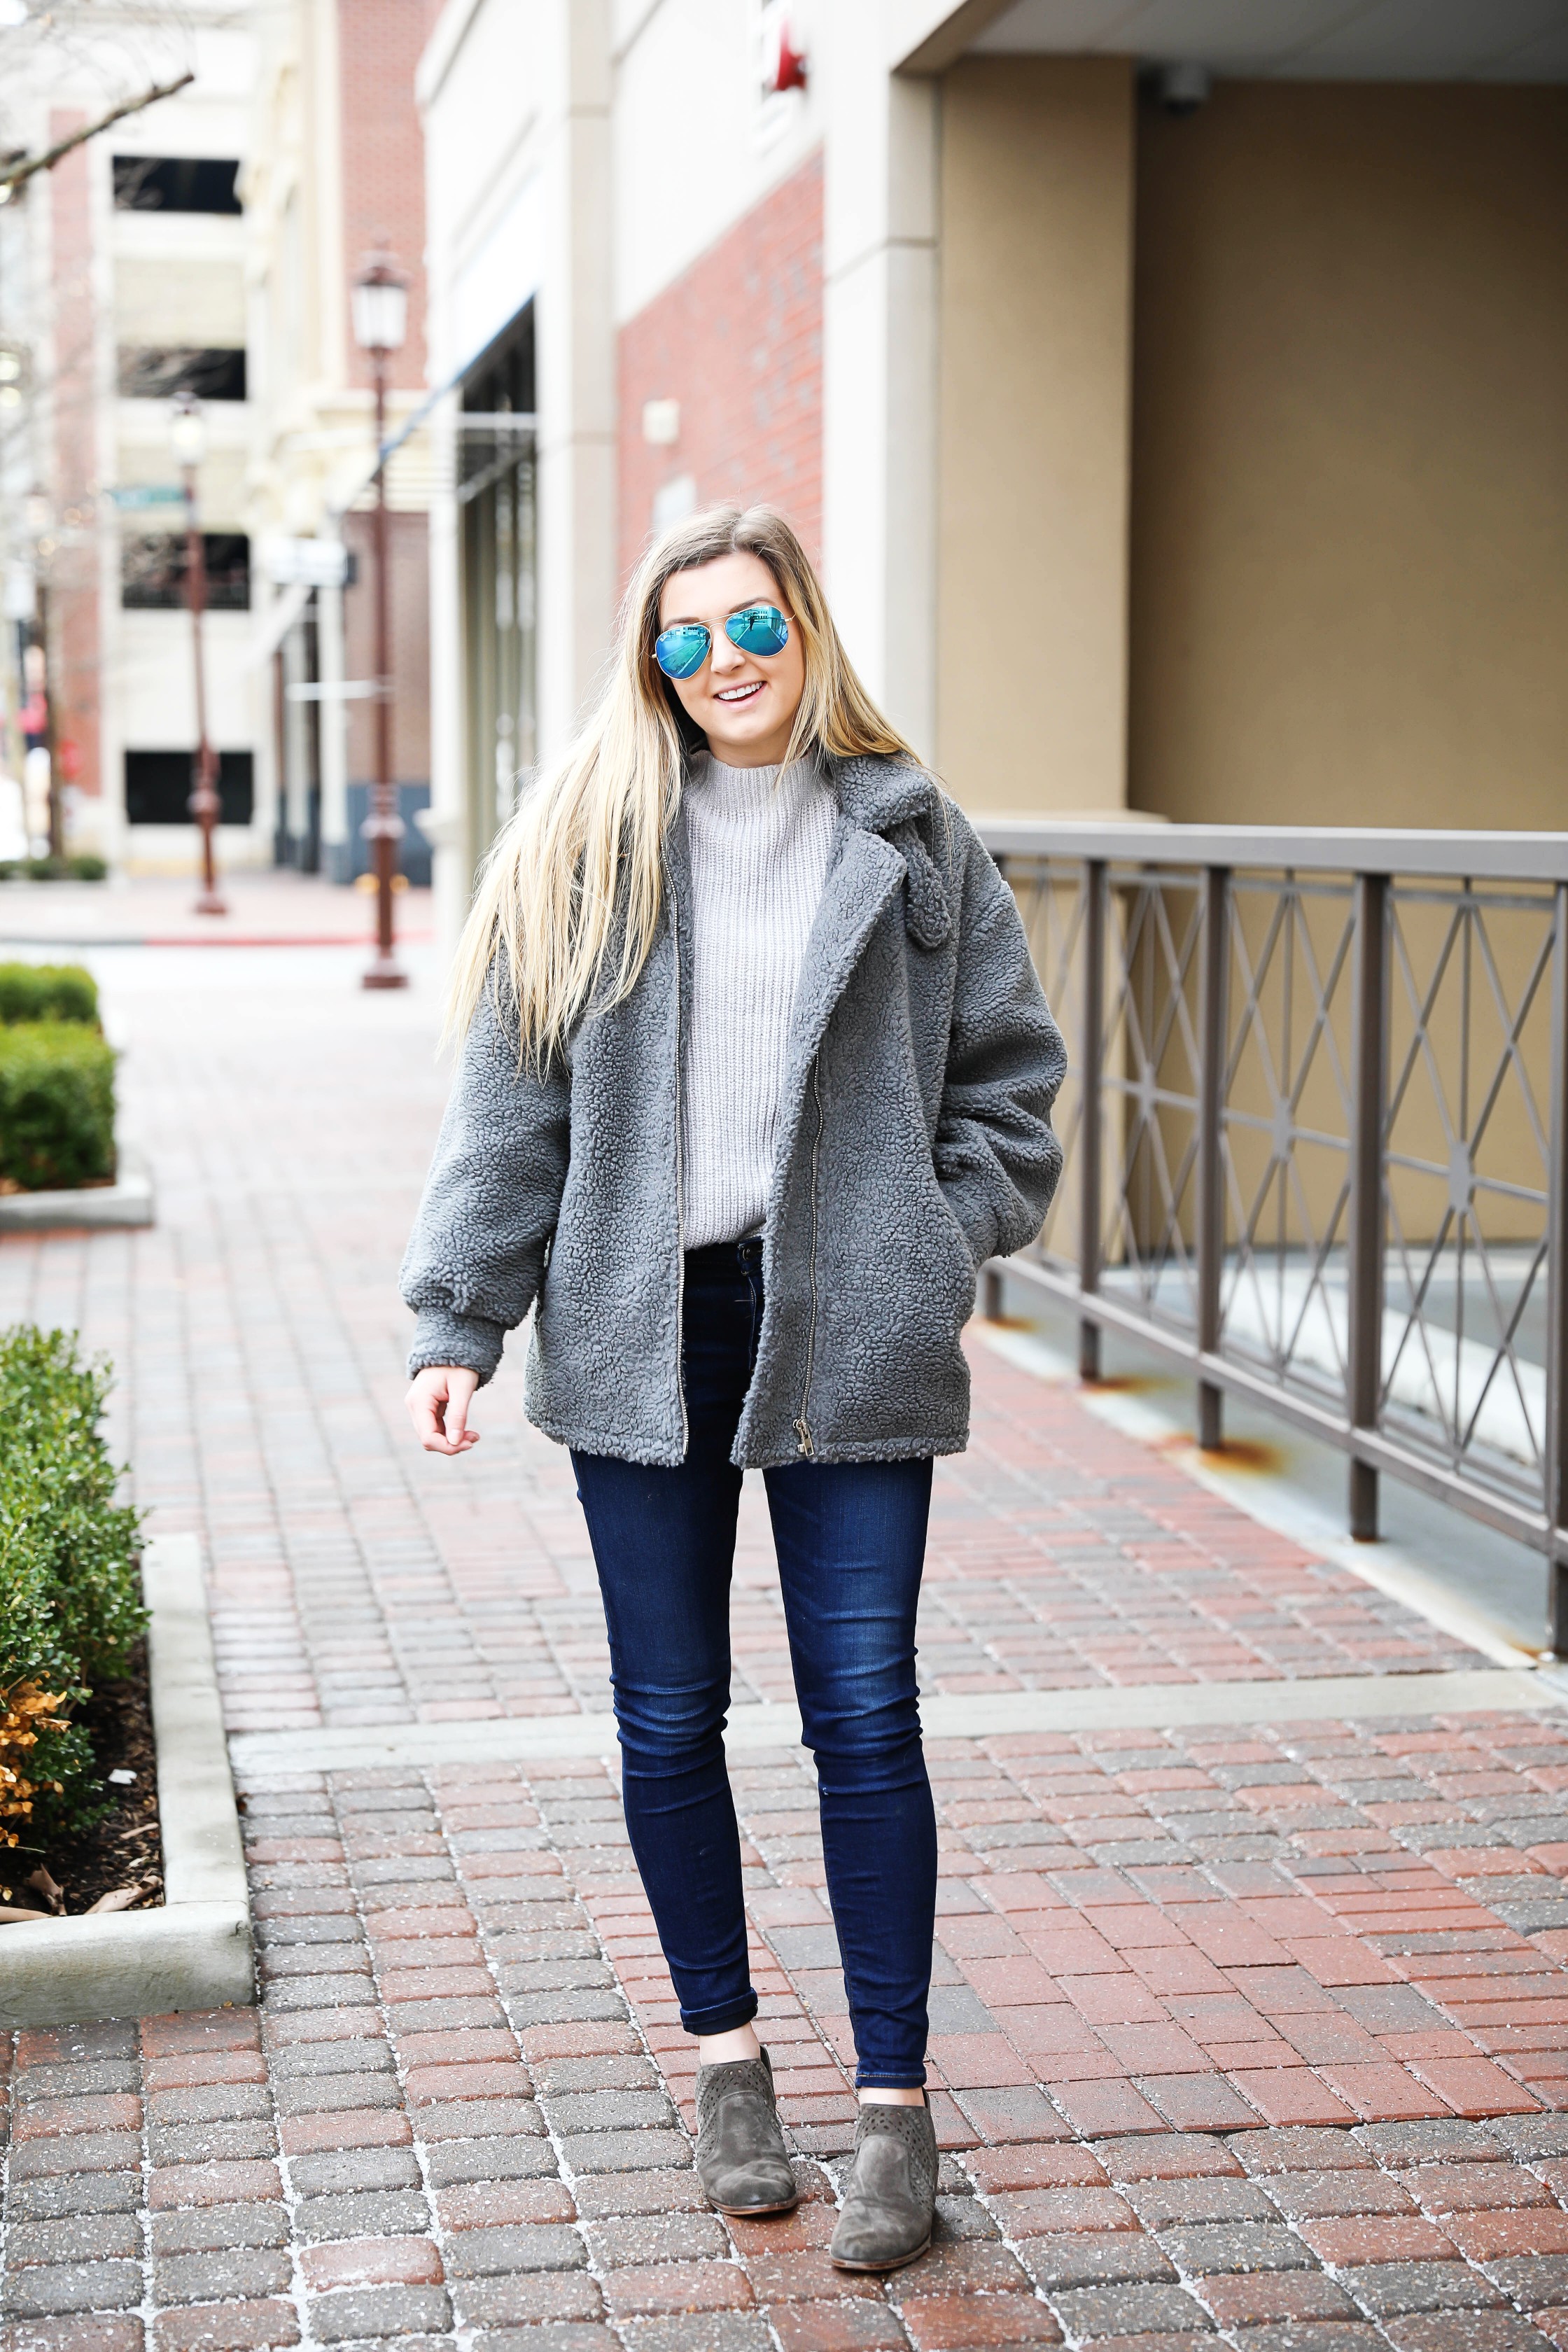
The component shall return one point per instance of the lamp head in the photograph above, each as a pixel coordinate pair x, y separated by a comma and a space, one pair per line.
380, 304
187, 430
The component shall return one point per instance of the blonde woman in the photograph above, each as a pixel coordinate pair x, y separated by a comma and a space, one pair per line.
756, 1073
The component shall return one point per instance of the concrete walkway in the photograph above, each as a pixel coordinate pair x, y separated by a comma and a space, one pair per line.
1250, 2011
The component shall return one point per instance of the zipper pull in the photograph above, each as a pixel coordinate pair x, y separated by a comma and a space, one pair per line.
804, 1435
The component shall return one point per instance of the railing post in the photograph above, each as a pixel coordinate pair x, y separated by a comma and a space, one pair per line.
1365, 1235
1213, 1040
1092, 1124
1556, 1494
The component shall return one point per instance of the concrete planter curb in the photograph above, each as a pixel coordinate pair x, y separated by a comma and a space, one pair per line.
195, 1953
128, 1202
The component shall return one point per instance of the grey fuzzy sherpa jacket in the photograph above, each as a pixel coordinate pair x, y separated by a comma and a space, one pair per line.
915, 1142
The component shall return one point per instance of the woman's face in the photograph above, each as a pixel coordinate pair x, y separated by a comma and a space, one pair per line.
744, 703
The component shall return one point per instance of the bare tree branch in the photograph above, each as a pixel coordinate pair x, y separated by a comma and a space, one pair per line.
13, 174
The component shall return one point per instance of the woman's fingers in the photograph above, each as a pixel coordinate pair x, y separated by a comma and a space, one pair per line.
461, 1385
439, 1405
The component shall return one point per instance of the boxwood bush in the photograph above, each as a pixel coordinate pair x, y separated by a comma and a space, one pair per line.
57, 1106
48, 991
70, 1604
82, 866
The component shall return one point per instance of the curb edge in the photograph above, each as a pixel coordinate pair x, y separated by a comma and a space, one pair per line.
196, 1952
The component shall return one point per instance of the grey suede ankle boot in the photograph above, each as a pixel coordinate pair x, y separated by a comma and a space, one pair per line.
890, 2198
741, 2161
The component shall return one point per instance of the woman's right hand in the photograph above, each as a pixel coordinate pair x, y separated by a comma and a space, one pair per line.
439, 1405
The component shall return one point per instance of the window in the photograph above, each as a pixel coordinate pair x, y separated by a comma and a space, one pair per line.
159, 784
153, 571
217, 375
496, 501
174, 183
502, 375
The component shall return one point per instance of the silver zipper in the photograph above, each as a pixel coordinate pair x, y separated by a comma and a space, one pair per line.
680, 1189
802, 1427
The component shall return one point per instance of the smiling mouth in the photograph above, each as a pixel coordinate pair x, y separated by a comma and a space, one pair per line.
734, 694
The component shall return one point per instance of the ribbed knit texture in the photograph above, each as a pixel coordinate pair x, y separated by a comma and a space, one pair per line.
759, 842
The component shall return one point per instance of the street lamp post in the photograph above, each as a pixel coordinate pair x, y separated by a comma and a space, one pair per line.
40, 520
188, 439
381, 319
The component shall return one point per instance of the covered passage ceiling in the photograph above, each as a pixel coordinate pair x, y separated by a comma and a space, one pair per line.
1375, 40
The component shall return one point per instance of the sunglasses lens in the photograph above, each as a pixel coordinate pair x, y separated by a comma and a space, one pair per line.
758, 629
680, 652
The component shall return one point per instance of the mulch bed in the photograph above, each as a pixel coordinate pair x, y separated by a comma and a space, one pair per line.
125, 1849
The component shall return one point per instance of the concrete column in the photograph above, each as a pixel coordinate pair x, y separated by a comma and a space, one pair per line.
576, 387
295, 806
446, 820
268, 759
1035, 464
107, 819
880, 357
337, 849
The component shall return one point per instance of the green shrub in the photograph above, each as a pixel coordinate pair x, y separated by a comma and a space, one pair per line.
71, 1607
48, 991
82, 866
57, 1106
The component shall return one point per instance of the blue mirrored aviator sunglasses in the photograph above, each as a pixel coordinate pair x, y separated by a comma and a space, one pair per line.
682, 651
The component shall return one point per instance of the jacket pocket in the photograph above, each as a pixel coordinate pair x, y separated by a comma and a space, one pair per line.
954, 1246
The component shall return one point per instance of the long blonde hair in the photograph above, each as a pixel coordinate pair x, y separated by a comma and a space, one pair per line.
568, 901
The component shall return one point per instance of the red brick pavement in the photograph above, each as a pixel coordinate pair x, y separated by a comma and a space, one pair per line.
1259, 2033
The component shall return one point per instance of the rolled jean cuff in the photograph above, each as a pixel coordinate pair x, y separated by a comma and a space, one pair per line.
889, 2078
723, 2019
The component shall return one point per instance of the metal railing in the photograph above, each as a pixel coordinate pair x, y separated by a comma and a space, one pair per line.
1316, 1136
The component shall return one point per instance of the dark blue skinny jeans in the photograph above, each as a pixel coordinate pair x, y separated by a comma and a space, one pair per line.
850, 1539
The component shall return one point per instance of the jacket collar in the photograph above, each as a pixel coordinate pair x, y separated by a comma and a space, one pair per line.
877, 791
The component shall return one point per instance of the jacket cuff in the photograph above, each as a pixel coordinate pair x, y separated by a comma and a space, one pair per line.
441, 1336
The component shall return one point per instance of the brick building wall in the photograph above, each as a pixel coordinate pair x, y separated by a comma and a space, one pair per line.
75, 652
737, 342
379, 43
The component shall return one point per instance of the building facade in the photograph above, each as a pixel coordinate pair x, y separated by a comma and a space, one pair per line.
209, 244
1177, 412
335, 174
124, 284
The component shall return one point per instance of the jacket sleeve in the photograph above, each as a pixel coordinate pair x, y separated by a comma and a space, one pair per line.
997, 1157
476, 1256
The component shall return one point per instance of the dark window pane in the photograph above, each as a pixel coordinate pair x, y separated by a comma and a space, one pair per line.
153, 571
159, 784
502, 375
174, 183
215, 374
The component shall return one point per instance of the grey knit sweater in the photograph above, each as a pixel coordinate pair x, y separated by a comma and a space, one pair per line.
760, 845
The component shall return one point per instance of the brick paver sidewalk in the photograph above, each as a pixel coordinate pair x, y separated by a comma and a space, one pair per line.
1260, 2029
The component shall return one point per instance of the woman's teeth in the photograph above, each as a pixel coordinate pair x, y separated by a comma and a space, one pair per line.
740, 693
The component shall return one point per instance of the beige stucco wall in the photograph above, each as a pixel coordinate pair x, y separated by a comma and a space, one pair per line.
1036, 275
1350, 536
